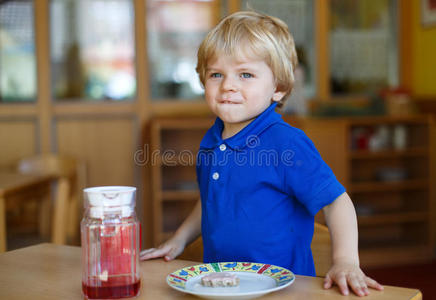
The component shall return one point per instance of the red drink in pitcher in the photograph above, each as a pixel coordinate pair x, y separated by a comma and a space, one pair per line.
111, 290
110, 243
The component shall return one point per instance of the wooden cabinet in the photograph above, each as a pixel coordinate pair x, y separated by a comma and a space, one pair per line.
388, 167
174, 143
392, 183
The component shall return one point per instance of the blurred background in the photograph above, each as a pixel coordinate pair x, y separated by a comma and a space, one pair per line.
112, 84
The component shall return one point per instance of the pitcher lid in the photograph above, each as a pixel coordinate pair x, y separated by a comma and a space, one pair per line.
110, 195
110, 199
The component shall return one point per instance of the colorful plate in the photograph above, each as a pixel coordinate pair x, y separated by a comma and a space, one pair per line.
256, 279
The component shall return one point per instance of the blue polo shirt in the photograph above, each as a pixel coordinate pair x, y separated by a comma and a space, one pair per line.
260, 190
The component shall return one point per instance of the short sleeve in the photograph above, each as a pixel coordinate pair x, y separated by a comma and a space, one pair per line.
307, 176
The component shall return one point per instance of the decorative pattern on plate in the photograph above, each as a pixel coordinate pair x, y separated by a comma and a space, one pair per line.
179, 278
280, 275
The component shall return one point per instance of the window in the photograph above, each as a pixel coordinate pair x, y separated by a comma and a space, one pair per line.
175, 30
298, 15
363, 46
17, 52
92, 49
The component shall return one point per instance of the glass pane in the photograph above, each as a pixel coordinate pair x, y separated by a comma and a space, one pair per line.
17, 52
175, 30
363, 46
298, 15
92, 49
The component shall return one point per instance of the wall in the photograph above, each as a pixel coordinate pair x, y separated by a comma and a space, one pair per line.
424, 56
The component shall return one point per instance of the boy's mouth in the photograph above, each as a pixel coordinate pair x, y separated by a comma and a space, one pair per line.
228, 102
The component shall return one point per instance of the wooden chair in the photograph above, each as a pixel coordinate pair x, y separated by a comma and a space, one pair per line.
321, 250
70, 179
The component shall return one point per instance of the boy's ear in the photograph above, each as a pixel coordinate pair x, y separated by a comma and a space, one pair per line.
278, 95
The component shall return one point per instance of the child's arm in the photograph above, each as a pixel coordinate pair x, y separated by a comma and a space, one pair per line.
345, 271
185, 234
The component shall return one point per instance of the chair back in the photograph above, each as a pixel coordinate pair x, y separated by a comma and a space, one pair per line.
321, 250
70, 175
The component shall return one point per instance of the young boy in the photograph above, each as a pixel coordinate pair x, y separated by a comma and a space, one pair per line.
262, 181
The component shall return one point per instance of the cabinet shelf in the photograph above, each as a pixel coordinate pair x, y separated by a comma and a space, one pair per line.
388, 154
393, 218
377, 254
174, 143
180, 195
388, 120
385, 186
176, 159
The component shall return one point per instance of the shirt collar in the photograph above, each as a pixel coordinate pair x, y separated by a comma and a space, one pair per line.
244, 137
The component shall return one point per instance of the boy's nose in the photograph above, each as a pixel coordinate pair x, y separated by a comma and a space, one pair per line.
229, 84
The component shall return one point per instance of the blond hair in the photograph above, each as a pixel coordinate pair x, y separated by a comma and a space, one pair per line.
249, 34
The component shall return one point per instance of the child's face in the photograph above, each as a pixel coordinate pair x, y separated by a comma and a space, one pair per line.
238, 90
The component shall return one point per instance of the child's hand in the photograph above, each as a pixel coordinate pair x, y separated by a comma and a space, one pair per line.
348, 274
168, 250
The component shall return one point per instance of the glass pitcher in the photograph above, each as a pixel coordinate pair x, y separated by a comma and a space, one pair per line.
110, 235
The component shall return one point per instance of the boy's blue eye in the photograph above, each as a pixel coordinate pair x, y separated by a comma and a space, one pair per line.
246, 75
215, 75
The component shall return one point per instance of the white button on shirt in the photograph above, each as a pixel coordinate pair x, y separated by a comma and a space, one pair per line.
215, 176
223, 147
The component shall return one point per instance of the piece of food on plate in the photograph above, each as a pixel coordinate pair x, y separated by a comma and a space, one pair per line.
220, 279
